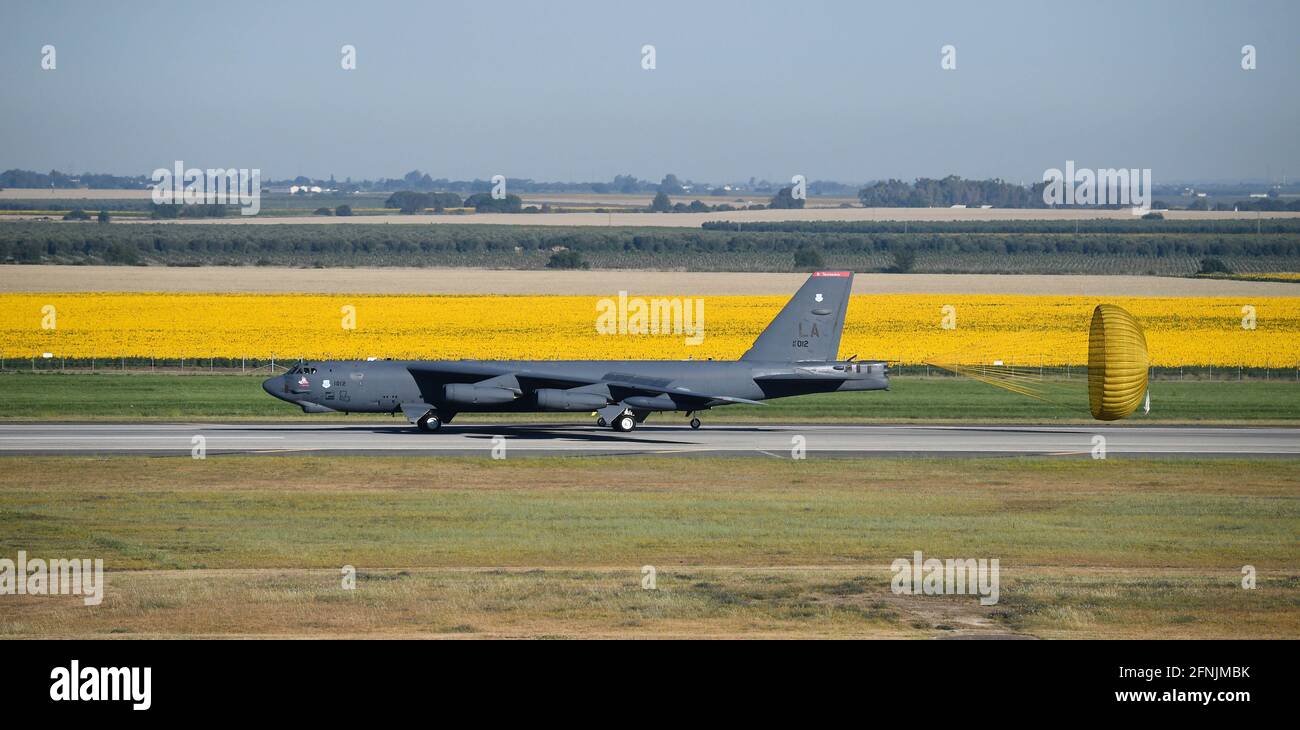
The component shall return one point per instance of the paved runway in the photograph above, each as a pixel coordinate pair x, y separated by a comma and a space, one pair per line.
547, 439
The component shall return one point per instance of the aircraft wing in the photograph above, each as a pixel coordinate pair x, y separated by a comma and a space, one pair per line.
677, 391
621, 385
441, 373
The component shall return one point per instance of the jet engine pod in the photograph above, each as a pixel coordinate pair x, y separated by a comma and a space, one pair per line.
553, 399
1117, 363
659, 402
470, 394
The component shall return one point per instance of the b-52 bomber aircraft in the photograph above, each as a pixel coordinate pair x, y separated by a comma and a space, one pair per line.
795, 355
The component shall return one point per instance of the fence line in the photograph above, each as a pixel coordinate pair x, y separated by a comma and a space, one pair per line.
146, 364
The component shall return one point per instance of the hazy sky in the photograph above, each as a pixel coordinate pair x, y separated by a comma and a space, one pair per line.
846, 91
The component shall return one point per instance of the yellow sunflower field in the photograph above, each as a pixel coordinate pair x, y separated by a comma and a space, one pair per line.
905, 328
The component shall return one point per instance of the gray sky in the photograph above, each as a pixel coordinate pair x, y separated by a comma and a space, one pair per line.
846, 91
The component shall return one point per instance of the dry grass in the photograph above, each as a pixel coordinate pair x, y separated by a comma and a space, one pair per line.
687, 603
73, 194
819, 208
695, 220
497, 604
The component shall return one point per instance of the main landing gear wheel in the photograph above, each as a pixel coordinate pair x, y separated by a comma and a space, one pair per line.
601, 422
429, 423
624, 423
695, 423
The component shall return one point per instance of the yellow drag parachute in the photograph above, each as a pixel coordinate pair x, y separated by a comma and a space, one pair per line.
1117, 363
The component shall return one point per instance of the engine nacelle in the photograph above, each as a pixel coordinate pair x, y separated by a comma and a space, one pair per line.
474, 395
659, 402
552, 399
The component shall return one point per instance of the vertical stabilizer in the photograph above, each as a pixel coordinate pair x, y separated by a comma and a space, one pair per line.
809, 326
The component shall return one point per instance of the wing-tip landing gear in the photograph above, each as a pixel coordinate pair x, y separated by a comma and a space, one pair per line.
695, 423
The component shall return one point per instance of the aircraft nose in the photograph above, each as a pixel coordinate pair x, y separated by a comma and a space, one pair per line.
271, 385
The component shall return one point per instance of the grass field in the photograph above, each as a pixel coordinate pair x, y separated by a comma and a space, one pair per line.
138, 396
550, 547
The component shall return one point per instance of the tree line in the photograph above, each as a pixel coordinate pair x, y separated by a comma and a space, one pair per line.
378, 244
949, 191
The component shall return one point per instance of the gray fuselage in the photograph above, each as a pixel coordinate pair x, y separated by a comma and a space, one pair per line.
388, 386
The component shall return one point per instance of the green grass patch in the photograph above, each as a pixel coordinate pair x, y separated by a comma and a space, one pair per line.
143, 396
240, 546
394, 512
